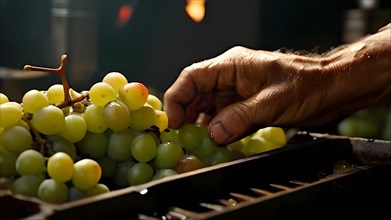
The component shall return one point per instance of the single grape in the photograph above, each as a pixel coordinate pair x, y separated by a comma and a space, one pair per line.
167, 156
55, 93
164, 173
30, 162
27, 185
100, 188
115, 79
48, 120
120, 177
93, 145
155, 102
74, 129
94, 118
142, 118
257, 145
139, 173
117, 115
87, 174
108, 165
75, 194
169, 135
102, 93
52, 191
7, 163
60, 144
34, 100
161, 120
275, 135
16, 139
143, 147
133, 94
118, 148
190, 136
10, 114
3, 98
60, 167
221, 155
188, 163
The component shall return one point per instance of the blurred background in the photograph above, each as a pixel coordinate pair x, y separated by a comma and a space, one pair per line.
151, 41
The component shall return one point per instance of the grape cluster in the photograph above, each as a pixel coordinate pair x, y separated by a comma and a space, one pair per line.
61, 145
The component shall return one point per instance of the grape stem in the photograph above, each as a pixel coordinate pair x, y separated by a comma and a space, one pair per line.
61, 72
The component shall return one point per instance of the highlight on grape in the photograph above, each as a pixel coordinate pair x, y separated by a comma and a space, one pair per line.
61, 145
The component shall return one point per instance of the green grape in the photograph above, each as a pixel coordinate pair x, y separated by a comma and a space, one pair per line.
48, 120
10, 114
94, 117
60, 144
119, 145
93, 145
115, 79
236, 146
16, 139
102, 93
75, 128
143, 147
221, 155
169, 135
30, 162
100, 188
75, 194
60, 167
55, 94
133, 94
139, 173
257, 145
155, 102
27, 185
168, 154
120, 177
164, 173
7, 163
52, 191
108, 165
87, 174
206, 149
117, 115
161, 120
275, 135
142, 118
3, 98
34, 100
190, 136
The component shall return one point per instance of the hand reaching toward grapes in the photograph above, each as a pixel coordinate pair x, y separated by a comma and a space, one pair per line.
244, 89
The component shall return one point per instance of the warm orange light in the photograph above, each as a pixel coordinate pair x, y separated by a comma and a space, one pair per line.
124, 14
195, 9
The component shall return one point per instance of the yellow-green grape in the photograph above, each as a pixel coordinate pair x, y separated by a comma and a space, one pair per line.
168, 154
115, 79
161, 120
102, 93
93, 144
48, 120
34, 100
74, 94
94, 117
53, 191
190, 136
100, 188
27, 185
60, 144
30, 162
87, 174
55, 93
221, 155
257, 145
169, 135
133, 94
16, 139
155, 102
139, 173
164, 173
117, 115
24, 124
3, 98
74, 129
275, 135
142, 118
119, 146
60, 167
7, 163
143, 147
10, 114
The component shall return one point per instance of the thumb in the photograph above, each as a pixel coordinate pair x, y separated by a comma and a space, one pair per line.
232, 123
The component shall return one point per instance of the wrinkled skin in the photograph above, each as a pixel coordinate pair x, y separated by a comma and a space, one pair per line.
244, 89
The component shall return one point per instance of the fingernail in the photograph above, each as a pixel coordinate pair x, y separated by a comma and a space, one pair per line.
219, 133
